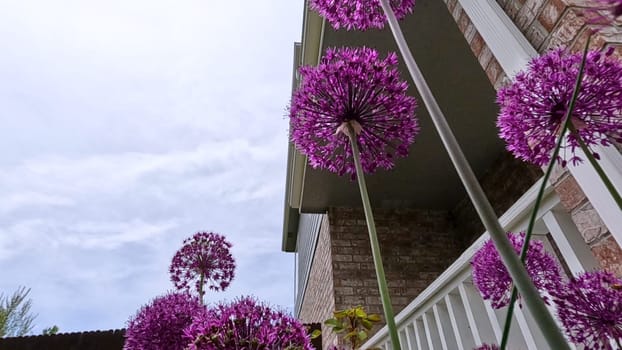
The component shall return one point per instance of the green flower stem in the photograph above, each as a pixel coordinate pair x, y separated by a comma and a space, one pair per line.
547, 174
533, 301
599, 170
375, 247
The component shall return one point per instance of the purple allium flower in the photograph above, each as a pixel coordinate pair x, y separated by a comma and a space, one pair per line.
612, 10
359, 14
487, 347
204, 259
353, 86
533, 107
590, 308
160, 324
493, 281
246, 324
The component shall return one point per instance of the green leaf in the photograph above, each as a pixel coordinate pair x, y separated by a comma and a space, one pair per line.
340, 314
373, 317
360, 313
362, 335
367, 324
332, 322
350, 335
316, 333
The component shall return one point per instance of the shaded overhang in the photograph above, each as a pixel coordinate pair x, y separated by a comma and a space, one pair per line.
426, 178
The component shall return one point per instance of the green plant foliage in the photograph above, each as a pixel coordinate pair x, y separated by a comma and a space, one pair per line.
50, 330
353, 325
15, 316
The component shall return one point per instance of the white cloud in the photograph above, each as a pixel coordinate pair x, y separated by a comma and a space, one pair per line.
26, 199
126, 127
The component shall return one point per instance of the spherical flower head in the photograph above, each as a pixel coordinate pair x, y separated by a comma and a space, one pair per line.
353, 88
359, 14
493, 281
602, 14
204, 259
590, 308
160, 324
487, 347
534, 106
247, 324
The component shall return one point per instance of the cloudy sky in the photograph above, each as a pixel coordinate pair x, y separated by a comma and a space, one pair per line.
128, 125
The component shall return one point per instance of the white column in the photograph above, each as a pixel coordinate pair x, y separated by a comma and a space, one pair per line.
513, 52
571, 244
596, 192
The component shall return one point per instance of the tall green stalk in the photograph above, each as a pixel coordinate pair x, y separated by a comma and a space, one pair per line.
599, 170
375, 247
567, 124
533, 301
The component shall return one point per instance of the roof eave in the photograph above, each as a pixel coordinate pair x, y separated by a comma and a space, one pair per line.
306, 53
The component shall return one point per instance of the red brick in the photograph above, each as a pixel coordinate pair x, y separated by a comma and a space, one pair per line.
536, 34
567, 29
609, 255
477, 44
524, 17
463, 22
512, 9
485, 56
417, 246
451, 4
493, 70
551, 12
589, 223
457, 11
569, 192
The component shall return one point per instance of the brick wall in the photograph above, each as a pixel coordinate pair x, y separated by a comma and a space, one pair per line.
417, 246
318, 302
590, 225
504, 183
548, 24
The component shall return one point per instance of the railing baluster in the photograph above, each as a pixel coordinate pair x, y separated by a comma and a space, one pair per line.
494, 321
403, 339
431, 332
448, 340
410, 337
422, 343
516, 337
458, 317
477, 311
533, 340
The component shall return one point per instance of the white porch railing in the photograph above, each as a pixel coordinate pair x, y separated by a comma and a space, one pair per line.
450, 314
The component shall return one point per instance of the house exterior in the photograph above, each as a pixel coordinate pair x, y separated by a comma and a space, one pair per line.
427, 228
